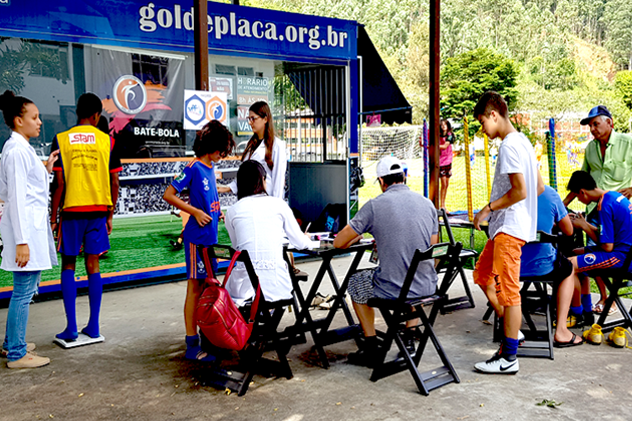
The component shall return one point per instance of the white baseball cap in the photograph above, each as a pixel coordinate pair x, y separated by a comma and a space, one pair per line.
389, 165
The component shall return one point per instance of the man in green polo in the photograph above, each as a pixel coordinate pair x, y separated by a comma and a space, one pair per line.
608, 159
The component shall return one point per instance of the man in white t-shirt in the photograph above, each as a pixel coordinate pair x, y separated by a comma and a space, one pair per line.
512, 212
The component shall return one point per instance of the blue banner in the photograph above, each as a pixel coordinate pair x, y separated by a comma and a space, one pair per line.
168, 25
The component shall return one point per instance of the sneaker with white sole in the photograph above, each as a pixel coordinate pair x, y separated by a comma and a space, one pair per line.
498, 365
30, 360
30, 346
521, 338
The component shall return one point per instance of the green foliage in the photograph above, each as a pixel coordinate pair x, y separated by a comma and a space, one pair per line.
464, 78
623, 83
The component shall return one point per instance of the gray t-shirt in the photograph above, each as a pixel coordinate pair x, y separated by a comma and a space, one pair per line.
401, 222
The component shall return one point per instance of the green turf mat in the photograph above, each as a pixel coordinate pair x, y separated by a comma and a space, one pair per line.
135, 243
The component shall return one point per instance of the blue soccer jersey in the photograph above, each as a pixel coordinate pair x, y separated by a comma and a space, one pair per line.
615, 219
199, 178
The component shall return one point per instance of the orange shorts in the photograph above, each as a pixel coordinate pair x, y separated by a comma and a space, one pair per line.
500, 263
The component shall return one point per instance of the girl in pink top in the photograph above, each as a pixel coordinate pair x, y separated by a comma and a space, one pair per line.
445, 159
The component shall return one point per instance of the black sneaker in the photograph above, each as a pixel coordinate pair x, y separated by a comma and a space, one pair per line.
176, 245
409, 343
363, 358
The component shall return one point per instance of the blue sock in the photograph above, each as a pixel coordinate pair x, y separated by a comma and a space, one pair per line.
69, 292
95, 292
510, 347
577, 311
587, 303
194, 350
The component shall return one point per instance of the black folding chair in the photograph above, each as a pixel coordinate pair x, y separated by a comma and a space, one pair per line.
265, 335
397, 312
615, 280
535, 299
467, 301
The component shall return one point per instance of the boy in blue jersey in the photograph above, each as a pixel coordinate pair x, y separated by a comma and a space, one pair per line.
212, 143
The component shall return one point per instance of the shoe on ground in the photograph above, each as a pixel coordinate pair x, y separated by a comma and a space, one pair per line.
618, 337
498, 365
594, 335
30, 360
30, 346
176, 245
571, 321
363, 358
409, 343
521, 338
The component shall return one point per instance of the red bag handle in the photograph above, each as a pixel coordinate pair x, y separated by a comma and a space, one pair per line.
207, 262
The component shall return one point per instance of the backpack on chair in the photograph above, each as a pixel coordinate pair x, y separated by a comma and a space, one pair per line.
217, 315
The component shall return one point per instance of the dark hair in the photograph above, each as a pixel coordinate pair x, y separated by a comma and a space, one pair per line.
13, 106
581, 180
250, 177
491, 101
103, 125
214, 136
88, 105
262, 109
391, 179
447, 123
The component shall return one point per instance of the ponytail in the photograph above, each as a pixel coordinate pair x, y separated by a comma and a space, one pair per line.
12, 107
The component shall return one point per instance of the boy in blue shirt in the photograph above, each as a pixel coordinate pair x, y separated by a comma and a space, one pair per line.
212, 143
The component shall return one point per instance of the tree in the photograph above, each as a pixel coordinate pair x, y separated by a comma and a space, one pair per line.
469, 75
623, 83
618, 20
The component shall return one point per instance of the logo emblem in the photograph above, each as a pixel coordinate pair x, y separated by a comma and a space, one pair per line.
216, 109
194, 109
82, 139
590, 258
129, 94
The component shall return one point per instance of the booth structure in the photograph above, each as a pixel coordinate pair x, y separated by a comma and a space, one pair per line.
138, 57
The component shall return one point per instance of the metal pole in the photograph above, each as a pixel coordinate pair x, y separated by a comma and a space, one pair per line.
435, 57
200, 13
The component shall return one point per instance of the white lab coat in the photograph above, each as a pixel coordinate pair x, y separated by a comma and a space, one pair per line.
260, 225
24, 188
275, 178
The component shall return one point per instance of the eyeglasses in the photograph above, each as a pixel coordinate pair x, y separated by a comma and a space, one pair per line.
253, 119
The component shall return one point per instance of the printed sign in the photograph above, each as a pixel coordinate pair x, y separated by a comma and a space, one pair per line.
252, 89
222, 84
200, 107
82, 139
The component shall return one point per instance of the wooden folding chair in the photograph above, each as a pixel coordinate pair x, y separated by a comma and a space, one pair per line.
467, 301
265, 335
397, 312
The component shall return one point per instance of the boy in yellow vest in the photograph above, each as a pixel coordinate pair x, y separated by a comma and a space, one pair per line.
87, 190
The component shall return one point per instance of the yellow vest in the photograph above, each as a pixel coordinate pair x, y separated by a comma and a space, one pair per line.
85, 157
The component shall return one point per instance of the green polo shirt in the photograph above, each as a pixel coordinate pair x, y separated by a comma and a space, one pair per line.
614, 171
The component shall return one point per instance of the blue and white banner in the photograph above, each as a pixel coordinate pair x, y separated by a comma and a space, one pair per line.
168, 25
200, 107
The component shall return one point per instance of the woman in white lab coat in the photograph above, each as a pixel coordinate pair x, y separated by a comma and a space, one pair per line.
260, 224
265, 148
28, 241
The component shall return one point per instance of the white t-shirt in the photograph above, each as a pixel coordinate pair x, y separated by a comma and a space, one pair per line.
275, 178
520, 220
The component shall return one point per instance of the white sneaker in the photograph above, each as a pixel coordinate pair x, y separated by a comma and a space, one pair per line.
520, 337
498, 365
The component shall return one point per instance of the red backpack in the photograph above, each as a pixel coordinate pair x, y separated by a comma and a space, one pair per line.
217, 315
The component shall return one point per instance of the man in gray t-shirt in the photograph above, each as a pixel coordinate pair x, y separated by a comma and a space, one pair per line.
401, 221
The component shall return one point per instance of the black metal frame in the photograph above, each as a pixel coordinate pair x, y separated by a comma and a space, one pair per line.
397, 312
615, 280
467, 301
320, 328
264, 335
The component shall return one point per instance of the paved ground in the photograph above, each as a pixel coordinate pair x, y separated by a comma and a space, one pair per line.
139, 374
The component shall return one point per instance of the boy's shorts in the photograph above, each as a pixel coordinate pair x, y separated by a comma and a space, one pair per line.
361, 286
195, 262
596, 259
500, 263
91, 232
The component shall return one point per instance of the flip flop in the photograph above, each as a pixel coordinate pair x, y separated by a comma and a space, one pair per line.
568, 344
613, 309
598, 308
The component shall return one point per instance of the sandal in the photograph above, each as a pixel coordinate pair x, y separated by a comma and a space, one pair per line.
598, 308
613, 309
568, 344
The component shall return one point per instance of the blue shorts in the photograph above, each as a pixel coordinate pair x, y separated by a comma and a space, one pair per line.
596, 259
91, 232
195, 262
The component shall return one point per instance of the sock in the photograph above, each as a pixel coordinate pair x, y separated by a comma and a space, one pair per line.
194, 349
69, 292
95, 293
510, 348
587, 303
577, 310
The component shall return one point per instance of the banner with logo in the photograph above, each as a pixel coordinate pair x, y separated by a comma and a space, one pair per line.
200, 107
141, 100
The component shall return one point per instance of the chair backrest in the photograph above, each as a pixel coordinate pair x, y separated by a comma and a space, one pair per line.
225, 252
442, 214
446, 256
542, 237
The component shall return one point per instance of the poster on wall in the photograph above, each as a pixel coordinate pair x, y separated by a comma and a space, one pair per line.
249, 91
221, 84
200, 107
141, 100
